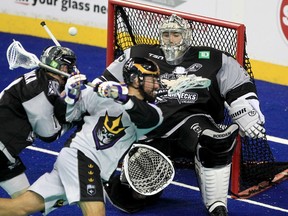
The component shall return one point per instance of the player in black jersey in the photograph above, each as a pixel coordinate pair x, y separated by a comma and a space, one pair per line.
192, 119
31, 107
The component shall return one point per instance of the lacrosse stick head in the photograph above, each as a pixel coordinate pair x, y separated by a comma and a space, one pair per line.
184, 83
17, 56
56, 57
147, 170
175, 38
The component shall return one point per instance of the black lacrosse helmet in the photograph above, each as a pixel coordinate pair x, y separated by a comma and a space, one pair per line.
139, 67
56, 56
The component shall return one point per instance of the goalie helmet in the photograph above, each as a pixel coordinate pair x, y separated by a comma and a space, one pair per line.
139, 67
56, 56
181, 30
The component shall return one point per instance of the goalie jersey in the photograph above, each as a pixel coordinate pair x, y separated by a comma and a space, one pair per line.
109, 128
28, 108
229, 80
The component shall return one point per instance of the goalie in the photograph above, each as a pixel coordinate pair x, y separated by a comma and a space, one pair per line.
192, 125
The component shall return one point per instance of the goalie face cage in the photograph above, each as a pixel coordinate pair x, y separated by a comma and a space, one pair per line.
147, 170
253, 168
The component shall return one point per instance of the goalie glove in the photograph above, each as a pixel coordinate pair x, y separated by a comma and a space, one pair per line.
114, 90
73, 88
247, 114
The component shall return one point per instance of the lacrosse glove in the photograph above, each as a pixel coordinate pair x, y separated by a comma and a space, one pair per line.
73, 88
247, 114
114, 90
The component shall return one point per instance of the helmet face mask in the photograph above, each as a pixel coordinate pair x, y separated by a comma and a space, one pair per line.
175, 38
58, 57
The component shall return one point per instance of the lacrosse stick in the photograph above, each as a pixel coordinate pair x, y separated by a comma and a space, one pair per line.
184, 83
147, 170
17, 56
43, 24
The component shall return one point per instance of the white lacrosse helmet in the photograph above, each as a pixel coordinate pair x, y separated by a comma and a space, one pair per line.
174, 51
147, 170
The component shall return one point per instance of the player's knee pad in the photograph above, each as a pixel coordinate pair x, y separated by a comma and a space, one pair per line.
216, 148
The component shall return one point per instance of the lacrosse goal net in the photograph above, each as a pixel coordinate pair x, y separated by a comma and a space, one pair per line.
254, 167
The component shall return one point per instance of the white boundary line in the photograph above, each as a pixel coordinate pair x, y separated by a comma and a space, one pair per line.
240, 200
42, 150
277, 140
270, 138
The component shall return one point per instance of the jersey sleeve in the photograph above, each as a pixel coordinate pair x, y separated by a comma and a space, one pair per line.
114, 72
233, 79
75, 112
145, 116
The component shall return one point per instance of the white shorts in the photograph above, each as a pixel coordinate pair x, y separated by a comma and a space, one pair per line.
16, 184
75, 178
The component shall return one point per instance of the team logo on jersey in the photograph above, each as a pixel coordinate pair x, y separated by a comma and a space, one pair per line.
181, 71
204, 55
108, 131
195, 67
182, 97
91, 189
53, 87
187, 97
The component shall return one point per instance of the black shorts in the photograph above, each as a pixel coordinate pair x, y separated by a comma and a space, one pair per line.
183, 141
8, 169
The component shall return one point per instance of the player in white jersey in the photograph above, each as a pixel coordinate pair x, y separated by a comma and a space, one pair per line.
93, 153
191, 118
30, 108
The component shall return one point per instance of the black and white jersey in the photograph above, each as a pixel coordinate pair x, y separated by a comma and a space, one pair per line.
229, 80
27, 108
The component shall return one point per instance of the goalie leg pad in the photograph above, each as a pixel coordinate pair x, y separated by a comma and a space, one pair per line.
213, 163
213, 184
216, 148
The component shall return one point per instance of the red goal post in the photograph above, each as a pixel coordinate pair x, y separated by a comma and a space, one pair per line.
131, 23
